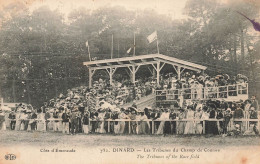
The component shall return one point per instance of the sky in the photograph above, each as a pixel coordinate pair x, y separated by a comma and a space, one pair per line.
169, 7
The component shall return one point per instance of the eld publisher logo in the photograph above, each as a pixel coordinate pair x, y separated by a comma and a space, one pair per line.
10, 157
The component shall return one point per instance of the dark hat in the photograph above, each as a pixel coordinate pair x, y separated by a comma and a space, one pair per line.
212, 105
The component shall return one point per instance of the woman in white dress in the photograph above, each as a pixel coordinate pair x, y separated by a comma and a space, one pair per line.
22, 118
164, 116
181, 99
101, 128
41, 126
60, 126
50, 125
122, 115
181, 124
247, 108
142, 125
189, 128
18, 121
198, 125
199, 91
193, 88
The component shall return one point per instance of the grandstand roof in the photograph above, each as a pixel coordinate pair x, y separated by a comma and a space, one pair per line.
142, 60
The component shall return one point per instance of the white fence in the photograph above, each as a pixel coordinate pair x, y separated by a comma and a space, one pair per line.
229, 92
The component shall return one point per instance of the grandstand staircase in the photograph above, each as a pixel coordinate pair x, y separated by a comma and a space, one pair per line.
143, 102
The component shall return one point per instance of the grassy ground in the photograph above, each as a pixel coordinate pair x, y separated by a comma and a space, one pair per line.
11, 138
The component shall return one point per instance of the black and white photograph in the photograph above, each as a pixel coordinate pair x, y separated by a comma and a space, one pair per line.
129, 81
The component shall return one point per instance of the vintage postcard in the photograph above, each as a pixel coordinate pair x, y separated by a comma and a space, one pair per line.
129, 81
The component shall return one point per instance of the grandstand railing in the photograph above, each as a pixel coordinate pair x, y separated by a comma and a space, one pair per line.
229, 92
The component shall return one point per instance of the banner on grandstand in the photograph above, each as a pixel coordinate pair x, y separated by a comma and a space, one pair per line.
129, 50
152, 37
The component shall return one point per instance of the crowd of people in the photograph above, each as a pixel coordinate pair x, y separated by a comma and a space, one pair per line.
176, 120
187, 79
199, 86
115, 95
99, 109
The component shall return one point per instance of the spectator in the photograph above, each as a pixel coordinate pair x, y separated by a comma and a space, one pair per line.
227, 117
56, 122
74, 121
253, 115
41, 125
238, 114
65, 121
33, 121
13, 121
47, 116
254, 103
2, 121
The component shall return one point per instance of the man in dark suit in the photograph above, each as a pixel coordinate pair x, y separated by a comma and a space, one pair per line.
152, 114
13, 122
254, 115
254, 103
94, 124
227, 117
173, 116
65, 121
56, 122
107, 116
156, 116
74, 121
238, 114
33, 123
47, 116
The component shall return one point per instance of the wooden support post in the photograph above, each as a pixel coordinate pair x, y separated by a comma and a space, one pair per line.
90, 78
111, 72
133, 74
179, 72
110, 76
